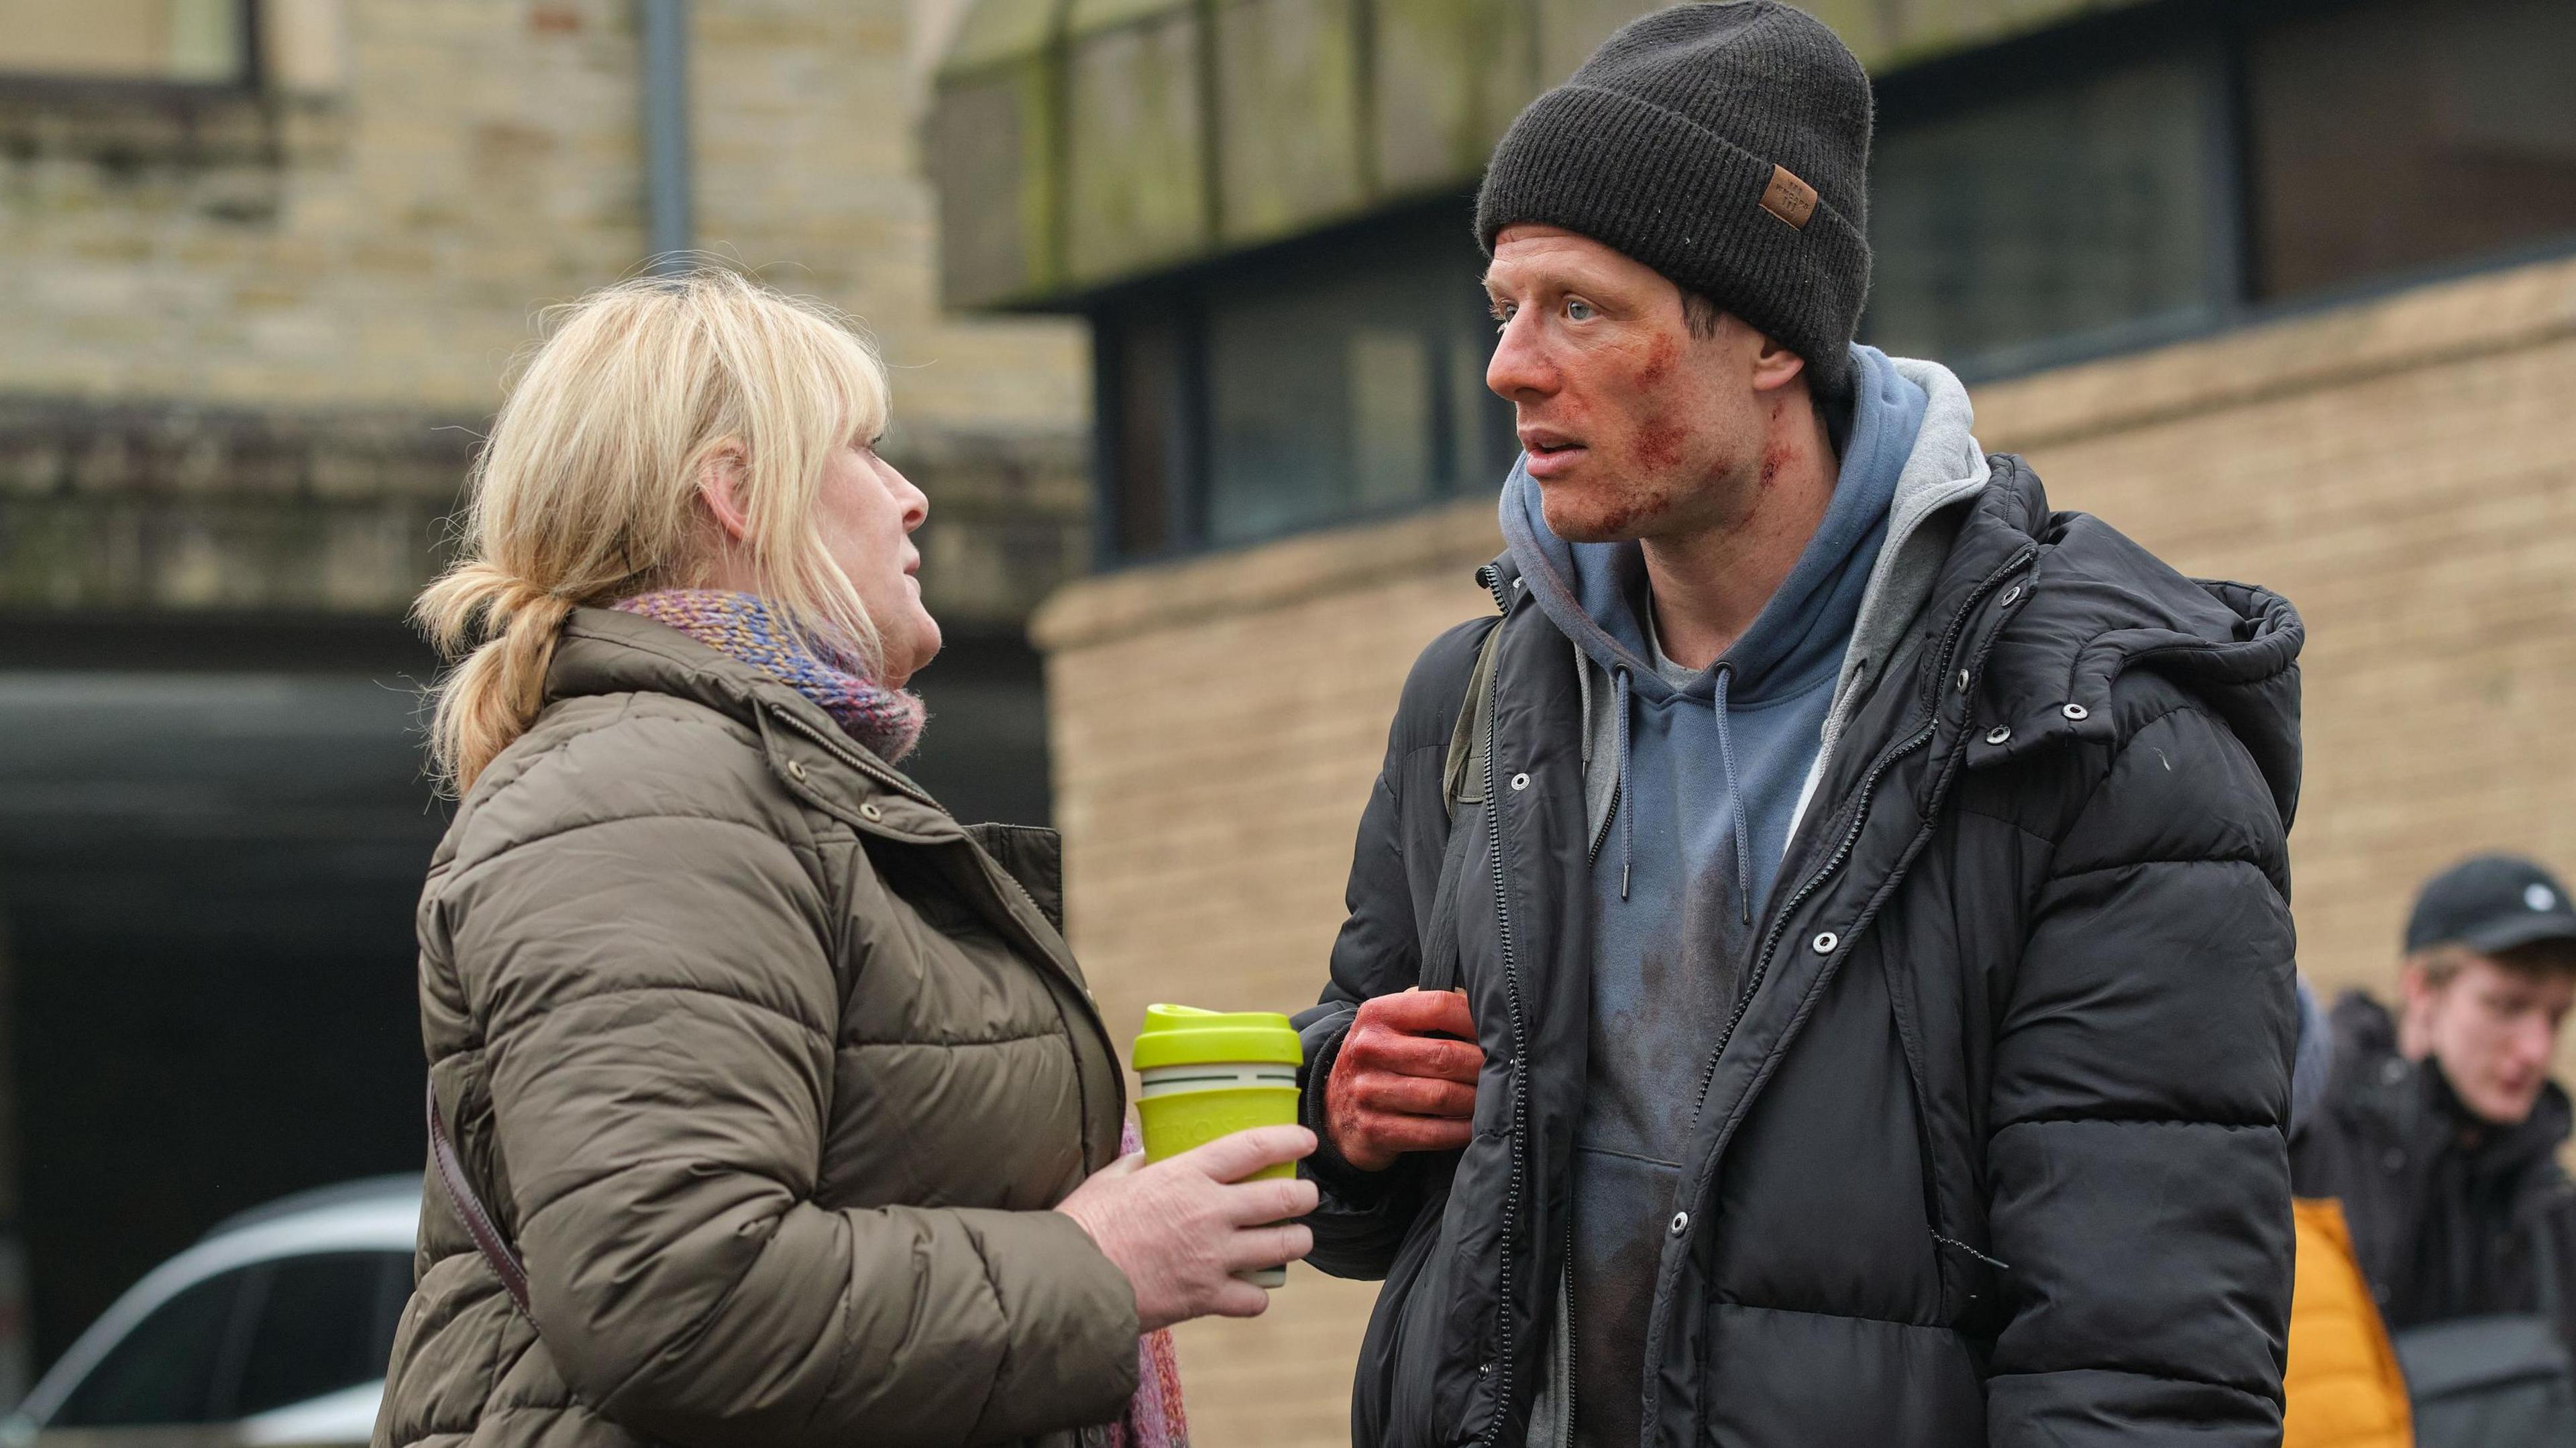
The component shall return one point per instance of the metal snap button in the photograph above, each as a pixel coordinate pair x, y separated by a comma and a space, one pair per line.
1998, 734
1681, 1223
2012, 595
1482, 1369
1963, 681
870, 812
2076, 711
1824, 942
1520, 781
795, 771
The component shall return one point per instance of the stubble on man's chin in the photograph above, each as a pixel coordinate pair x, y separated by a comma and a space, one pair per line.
1623, 515
1641, 514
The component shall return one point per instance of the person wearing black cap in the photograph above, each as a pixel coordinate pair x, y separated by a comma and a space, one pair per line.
1819, 966
2441, 1127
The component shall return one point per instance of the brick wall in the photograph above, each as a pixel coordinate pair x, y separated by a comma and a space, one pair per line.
352, 256
2402, 469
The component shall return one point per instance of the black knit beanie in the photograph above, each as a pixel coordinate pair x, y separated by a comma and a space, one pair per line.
1726, 146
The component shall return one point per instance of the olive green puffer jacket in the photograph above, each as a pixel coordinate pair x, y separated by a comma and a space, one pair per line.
771, 1071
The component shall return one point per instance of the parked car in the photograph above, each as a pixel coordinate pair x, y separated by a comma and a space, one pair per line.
273, 1329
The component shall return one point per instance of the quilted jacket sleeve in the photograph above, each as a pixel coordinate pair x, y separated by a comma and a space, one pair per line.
660, 1009
2139, 1180
1361, 1217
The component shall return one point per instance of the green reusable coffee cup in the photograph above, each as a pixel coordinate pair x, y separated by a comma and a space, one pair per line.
1208, 1074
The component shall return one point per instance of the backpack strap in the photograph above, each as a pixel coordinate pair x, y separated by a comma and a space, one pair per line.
1463, 783
1462, 774
505, 1263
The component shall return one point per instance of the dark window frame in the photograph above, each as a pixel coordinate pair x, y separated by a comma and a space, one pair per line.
1180, 298
2208, 35
2099, 45
73, 88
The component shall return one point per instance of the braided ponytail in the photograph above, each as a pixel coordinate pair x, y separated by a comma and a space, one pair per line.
493, 694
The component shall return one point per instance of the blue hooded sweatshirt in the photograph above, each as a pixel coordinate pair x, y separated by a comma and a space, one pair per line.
1710, 767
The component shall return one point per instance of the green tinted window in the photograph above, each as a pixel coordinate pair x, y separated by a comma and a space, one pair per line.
164, 1371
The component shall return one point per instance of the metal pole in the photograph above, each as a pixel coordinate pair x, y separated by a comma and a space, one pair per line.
669, 217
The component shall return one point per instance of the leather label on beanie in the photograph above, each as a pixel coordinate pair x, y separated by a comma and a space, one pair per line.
1789, 198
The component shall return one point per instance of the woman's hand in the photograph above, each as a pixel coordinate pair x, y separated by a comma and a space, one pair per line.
1180, 1229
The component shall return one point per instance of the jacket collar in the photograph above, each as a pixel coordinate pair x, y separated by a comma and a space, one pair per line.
603, 651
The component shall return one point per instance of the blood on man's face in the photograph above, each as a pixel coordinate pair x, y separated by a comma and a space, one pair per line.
1635, 425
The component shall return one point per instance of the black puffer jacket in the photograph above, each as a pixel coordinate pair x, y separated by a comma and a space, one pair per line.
1993, 1151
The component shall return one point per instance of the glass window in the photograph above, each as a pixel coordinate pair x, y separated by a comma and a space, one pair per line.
321, 1326
164, 1370
1145, 416
191, 41
1349, 385
1342, 379
2083, 208
2400, 135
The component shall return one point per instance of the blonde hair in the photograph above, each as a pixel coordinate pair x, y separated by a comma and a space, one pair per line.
586, 492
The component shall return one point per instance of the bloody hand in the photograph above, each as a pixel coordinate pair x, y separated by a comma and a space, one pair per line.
1405, 1079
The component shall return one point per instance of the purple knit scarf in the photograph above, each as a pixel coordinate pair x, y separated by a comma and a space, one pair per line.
745, 627
1154, 1416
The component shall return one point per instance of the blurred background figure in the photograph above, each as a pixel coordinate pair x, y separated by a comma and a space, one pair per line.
2440, 1134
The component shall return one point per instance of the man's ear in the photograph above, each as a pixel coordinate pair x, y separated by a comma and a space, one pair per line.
720, 492
2413, 985
2416, 995
1775, 366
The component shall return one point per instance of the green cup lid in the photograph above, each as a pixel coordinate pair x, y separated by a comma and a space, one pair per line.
1188, 1036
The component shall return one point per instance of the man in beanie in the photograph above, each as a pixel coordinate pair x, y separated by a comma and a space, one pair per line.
1819, 966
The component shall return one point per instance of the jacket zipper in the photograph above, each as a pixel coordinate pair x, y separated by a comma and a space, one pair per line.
1565, 1439
1860, 817
1780, 922
1492, 578
1520, 1073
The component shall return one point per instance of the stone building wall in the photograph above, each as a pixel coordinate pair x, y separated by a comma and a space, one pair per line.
2401, 469
252, 333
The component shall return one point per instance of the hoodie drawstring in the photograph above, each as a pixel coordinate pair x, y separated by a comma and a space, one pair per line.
1735, 796
1620, 802
1622, 805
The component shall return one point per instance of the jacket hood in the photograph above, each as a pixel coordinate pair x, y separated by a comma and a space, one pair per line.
2096, 606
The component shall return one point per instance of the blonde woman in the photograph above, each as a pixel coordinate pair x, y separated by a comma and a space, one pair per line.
766, 1104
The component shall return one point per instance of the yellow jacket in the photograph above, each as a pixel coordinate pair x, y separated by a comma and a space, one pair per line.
2342, 1382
